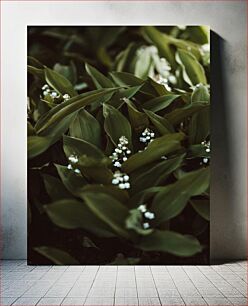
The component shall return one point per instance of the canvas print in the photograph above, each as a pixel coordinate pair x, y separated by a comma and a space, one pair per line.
118, 123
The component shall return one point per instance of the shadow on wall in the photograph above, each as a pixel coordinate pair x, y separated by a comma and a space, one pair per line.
225, 219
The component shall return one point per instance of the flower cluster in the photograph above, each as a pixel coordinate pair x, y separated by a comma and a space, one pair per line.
73, 162
147, 136
121, 153
119, 156
121, 179
147, 215
206, 145
47, 91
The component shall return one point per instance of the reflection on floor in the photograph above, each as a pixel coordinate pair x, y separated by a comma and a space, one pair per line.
123, 285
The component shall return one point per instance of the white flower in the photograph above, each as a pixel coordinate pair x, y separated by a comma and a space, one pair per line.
146, 225
77, 171
117, 164
69, 167
44, 87
205, 160
66, 97
115, 181
142, 208
73, 158
54, 94
149, 215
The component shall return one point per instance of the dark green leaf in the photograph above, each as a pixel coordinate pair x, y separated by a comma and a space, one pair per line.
116, 125
37, 145
59, 112
162, 124
98, 78
156, 174
57, 256
59, 82
138, 120
73, 214
171, 200
135, 222
155, 150
179, 114
72, 181
109, 210
170, 242
159, 103
200, 94
193, 72
55, 188
202, 207
86, 127
126, 79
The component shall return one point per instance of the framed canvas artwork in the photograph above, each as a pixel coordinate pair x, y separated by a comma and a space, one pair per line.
118, 121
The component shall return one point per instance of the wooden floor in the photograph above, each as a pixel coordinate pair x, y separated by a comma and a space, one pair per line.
123, 285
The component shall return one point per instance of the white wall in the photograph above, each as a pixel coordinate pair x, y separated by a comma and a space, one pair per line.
226, 18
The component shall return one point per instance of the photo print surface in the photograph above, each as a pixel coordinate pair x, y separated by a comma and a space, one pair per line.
118, 145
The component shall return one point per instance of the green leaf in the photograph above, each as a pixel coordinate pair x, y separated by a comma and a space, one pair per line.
162, 124
116, 125
86, 127
200, 94
138, 120
98, 78
55, 188
199, 127
92, 162
135, 222
197, 150
117, 99
159, 103
170, 242
68, 71
193, 72
202, 207
109, 210
57, 256
118, 194
172, 199
161, 41
156, 174
81, 147
143, 64
59, 82
64, 109
155, 150
72, 181
37, 72
179, 114
73, 214
37, 145
126, 79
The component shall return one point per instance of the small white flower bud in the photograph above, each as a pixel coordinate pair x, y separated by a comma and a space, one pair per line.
142, 208
126, 178
127, 185
115, 181
146, 225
